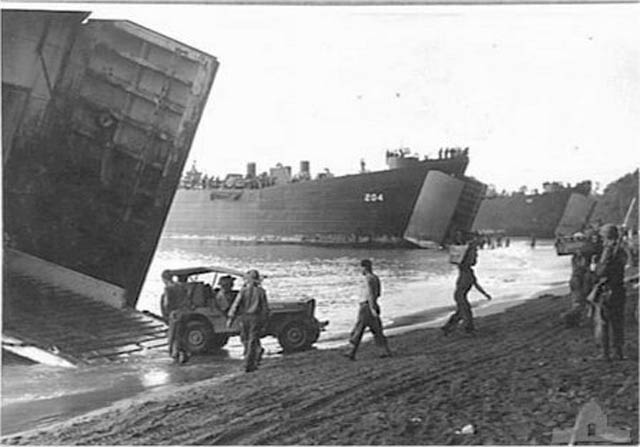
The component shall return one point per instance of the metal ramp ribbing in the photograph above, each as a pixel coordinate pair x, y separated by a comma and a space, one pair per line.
468, 205
72, 326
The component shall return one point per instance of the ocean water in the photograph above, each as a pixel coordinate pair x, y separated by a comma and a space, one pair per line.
412, 280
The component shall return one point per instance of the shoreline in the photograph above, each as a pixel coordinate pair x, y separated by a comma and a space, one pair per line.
322, 391
430, 318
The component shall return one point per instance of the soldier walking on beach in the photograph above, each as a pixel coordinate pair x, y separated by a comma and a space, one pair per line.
610, 270
253, 310
466, 280
368, 313
174, 303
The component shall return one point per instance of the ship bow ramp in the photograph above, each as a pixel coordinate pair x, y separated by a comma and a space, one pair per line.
576, 214
444, 206
57, 316
98, 121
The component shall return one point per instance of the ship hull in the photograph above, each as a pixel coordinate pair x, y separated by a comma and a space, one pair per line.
524, 215
386, 208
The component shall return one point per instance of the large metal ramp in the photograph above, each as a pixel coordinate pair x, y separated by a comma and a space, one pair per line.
71, 326
48, 316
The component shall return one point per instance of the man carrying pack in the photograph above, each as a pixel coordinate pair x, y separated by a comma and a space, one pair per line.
465, 281
253, 310
368, 312
610, 270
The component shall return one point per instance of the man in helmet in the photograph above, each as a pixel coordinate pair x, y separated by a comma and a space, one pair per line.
610, 271
253, 310
225, 296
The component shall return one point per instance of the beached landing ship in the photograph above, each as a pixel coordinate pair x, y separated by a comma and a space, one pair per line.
540, 214
413, 203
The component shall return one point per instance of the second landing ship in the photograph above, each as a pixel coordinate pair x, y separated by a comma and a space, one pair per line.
413, 203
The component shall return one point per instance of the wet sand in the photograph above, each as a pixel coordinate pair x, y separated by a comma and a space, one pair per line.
522, 376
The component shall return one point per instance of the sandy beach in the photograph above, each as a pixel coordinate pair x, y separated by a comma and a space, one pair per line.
522, 376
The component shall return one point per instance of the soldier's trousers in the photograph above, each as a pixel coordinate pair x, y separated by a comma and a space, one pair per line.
250, 327
463, 312
175, 334
613, 321
580, 286
367, 320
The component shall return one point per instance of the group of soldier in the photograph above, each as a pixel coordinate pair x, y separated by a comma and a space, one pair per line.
369, 309
596, 284
249, 306
597, 287
450, 152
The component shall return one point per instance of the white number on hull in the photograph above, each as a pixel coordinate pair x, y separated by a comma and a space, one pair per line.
374, 197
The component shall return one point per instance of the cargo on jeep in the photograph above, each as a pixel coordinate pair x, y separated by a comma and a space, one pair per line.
204, 314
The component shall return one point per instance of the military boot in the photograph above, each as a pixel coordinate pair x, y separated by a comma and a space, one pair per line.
351, 354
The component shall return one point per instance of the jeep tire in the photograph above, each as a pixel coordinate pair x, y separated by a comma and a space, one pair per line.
197, 336
295, 336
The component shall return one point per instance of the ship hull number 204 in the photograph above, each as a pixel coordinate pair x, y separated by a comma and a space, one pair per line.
374, 197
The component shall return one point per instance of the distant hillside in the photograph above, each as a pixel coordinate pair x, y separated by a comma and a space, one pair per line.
614, 201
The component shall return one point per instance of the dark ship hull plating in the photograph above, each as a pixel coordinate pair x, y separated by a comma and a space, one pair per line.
98, 117
98, 120
415, 205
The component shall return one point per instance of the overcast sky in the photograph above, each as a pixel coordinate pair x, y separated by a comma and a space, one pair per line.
538, 92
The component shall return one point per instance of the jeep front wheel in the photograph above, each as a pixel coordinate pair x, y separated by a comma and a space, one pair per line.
197, 336
295, 336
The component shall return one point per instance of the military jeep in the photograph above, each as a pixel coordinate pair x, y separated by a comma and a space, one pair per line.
204, 318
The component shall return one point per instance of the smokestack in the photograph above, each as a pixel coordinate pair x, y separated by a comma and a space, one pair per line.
251, 170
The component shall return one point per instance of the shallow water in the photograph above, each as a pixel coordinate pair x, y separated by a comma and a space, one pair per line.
412, 281
39, 395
